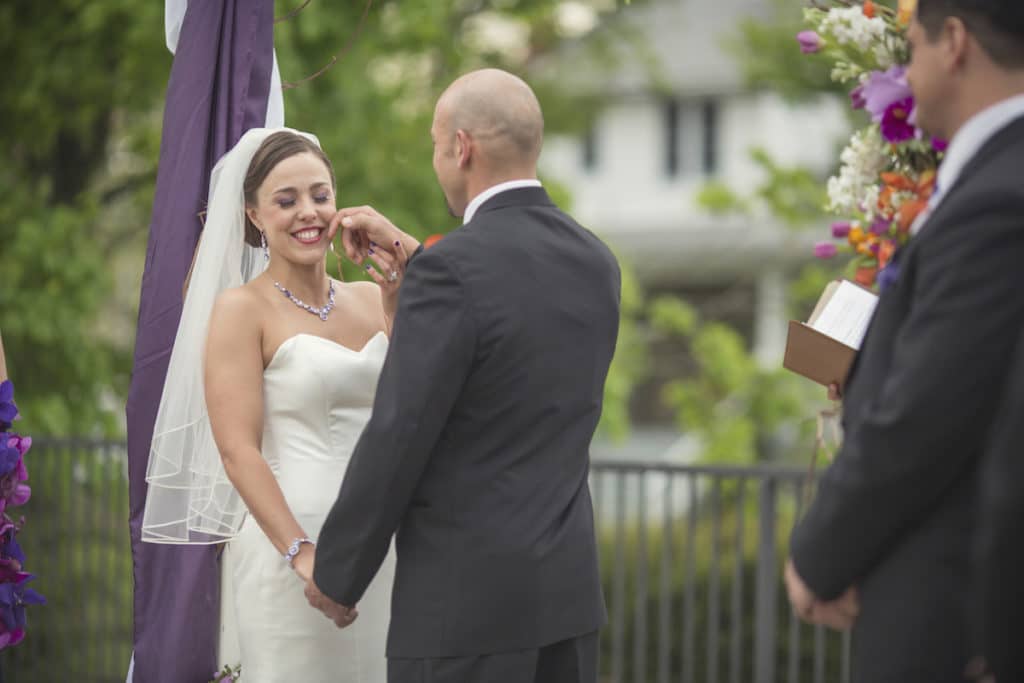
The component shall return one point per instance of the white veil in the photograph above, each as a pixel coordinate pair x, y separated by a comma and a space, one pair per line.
190, 499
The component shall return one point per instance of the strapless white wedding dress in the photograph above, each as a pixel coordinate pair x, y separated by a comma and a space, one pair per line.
317, 399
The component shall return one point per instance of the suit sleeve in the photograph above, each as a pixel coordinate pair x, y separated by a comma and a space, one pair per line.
999, 555
431, 353
925, 423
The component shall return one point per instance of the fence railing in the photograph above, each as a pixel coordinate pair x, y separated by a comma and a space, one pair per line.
691, 562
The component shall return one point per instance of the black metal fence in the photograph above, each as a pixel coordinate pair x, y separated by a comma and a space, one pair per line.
691, 561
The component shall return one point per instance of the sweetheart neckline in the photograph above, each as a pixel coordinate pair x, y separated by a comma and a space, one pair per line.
277, 352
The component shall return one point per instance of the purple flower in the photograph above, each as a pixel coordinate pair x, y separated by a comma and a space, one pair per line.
810, 42
14, 596
939, 145
881, 226
11, 551
825, 250
857, 100
8, 411
896, 126
882, 89
841, 229
888, 276
10, 456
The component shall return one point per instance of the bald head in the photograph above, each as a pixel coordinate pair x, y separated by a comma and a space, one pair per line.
499, 111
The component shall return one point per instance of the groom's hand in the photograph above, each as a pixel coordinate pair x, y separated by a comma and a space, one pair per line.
341, 616
363, 227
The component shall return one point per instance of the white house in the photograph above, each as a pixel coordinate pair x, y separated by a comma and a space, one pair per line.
635, 176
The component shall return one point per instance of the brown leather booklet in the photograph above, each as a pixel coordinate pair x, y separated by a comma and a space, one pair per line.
823, 348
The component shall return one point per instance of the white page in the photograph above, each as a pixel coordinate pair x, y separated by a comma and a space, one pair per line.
846, 316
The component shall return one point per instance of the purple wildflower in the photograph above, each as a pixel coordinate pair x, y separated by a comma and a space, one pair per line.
810, 42
841, 229
14, 596
825, 250
939, 145
882, 89
8, 410
895, 123
857, 100
10, 456
881, 226
888, 276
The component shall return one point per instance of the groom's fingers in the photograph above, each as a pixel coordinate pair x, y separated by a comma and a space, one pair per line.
357, 230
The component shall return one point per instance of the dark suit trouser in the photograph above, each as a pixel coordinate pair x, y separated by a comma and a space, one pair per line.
567, 661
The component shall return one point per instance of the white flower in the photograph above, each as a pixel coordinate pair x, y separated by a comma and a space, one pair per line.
855, 189
849, 26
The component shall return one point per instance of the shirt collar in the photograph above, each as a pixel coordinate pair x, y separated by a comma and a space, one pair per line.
496, 189
973, 135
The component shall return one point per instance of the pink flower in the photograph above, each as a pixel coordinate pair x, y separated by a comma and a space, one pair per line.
857, 100
825, 250
881, 226
883, 89
896, 125
841, 229
810, 42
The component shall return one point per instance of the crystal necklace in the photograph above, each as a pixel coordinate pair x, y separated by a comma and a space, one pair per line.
320, 312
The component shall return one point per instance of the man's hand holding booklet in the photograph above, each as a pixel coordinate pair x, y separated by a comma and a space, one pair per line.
823, 348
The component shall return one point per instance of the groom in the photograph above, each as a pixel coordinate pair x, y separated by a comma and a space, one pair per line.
476, 455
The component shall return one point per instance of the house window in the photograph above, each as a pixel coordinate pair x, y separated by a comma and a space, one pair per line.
671, 138
709, 116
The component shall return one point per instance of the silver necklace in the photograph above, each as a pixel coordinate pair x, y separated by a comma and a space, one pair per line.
320, 312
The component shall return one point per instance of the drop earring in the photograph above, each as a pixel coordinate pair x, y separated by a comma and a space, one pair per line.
263, 243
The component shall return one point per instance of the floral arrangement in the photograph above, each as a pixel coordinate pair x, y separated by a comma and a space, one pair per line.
227, 674
14, 595
887, 171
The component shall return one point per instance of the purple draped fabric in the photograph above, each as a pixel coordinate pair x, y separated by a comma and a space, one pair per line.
217, 90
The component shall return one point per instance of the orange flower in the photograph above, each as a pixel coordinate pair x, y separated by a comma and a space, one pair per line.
856, 235
898, 181
908, 212
906, 12
866, 275
869, 9
885, 199
885, 251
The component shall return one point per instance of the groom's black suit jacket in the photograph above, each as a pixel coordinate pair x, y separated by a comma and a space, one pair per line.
477, 452
895, 512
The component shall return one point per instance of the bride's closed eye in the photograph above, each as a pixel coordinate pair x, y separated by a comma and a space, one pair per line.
289, 203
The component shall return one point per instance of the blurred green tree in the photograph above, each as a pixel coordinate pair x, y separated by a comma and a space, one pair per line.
81, 125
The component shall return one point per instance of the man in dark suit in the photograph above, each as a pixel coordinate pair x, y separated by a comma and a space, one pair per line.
477, 453
999, 558
886, 543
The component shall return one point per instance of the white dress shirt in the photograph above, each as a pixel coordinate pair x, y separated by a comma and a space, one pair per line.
967, 142
493, 190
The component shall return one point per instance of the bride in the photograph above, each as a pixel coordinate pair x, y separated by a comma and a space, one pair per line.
271, 380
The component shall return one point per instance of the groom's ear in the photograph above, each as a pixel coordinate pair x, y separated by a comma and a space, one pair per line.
463, 148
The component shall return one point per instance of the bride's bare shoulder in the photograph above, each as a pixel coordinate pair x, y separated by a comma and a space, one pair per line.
364, 290
239, 306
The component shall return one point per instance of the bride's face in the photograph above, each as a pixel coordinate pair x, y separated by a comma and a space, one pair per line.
294, 206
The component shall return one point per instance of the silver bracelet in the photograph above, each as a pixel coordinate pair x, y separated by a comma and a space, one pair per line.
293, 549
